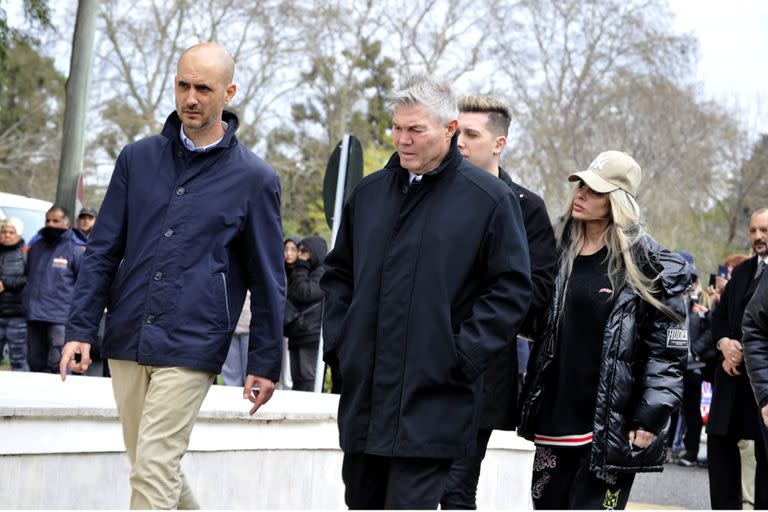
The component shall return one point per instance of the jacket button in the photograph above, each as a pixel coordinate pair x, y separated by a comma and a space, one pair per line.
180, 191
405, 189
158, 276
168, 233
151, 319
180, 154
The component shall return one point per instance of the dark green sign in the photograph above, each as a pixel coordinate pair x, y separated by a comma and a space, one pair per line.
354, 174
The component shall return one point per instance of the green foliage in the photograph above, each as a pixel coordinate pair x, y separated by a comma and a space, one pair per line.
347, 96
31, 109
36, 12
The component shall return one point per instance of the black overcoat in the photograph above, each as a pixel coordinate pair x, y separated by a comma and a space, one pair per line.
733, 410
423, 287
500, 389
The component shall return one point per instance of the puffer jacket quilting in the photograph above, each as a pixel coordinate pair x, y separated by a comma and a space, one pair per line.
629, 395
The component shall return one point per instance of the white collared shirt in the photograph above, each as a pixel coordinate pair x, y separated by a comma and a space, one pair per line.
414, 177
191, 145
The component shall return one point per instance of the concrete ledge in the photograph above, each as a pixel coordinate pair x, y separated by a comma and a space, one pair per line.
61, 447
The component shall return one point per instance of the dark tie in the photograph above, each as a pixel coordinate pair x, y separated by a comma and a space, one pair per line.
760, 268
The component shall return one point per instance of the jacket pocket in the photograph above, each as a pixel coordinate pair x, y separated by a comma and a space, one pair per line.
117, 282
224, 295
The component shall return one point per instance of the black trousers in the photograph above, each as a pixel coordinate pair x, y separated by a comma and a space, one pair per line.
692, 413
373, 482
44, 344
724, 467
562, 480
461, 486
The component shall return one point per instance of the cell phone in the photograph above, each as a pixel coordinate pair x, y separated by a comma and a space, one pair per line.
722, 271
712, 279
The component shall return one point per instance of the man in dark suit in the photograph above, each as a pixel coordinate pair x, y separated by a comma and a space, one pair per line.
733, 414
483, 125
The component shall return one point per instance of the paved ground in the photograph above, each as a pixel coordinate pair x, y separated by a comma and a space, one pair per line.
675, 487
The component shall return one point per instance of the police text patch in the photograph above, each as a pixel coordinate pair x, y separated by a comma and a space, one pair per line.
677, 338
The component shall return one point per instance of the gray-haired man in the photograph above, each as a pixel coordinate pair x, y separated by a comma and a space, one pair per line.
428, 278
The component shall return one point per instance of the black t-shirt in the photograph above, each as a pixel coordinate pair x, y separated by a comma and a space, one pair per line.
568, 405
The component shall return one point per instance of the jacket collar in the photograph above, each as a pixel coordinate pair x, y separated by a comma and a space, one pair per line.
505, 177
173, 125
449, 163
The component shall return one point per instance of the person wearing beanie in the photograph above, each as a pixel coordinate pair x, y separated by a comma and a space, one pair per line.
607, 373
13, 278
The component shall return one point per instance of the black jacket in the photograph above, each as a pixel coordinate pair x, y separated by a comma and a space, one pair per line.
641, 373
499, 409
424, 286
755, 341
703, 352
13, 265
305, 293
733, 410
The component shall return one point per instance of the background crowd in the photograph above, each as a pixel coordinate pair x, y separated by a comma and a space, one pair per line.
37, 280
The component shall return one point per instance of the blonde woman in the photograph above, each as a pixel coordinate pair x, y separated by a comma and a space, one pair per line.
607, 372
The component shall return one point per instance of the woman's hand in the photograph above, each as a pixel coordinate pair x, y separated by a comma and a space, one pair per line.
698, 308
641, 438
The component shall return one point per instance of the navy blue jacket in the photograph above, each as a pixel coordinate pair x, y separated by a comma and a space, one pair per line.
425, 284
180, 238
52, 270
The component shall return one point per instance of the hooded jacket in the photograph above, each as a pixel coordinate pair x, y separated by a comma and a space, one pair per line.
425, 285
305, 293
52, 269
13, 274
180, 238
641, 371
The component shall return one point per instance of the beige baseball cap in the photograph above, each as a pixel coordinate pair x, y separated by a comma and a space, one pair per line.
611, 170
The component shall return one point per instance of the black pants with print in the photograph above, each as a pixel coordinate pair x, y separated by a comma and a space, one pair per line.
562, 480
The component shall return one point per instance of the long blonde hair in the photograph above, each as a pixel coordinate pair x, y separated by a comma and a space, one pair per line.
622, 240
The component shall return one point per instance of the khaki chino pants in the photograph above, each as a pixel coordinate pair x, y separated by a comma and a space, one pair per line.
157, 408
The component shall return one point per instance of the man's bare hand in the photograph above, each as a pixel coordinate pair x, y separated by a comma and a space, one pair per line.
764, 413
641, 438
258, 390
730, 368
2, 287
68, 358
733, 355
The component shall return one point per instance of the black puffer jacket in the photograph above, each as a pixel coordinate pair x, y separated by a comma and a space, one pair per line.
13, 264
305, 293
641, 373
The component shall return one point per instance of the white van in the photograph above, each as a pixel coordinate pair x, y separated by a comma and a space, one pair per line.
31, 212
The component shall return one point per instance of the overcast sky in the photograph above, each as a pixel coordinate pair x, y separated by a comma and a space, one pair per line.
733, 52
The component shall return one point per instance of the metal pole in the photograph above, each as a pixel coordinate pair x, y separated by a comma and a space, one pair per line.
78, 85
341, 181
